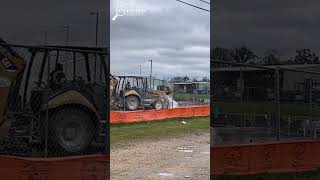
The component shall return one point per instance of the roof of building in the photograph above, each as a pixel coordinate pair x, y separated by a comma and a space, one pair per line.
265, 68
201, 82
198, 82
182, 83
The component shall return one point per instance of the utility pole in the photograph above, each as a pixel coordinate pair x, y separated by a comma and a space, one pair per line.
150, 74
97, 25
277, 99
45, 38
67, 27
140, 69
96, 42
154, 77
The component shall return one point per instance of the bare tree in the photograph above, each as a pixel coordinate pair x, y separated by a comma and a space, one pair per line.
220, 53
243, 55
205, 79
271, 57
186, 79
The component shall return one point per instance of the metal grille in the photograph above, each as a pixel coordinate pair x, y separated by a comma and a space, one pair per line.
56, 104
265, 103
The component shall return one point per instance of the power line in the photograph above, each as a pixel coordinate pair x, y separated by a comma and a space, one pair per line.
194, 6
204, 1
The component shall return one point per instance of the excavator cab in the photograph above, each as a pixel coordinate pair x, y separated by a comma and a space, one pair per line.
55, 98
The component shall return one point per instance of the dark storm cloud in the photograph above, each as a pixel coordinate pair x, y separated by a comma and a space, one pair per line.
285, 25
175, 36
25, 21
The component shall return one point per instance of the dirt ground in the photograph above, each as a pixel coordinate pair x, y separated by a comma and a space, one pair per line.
184, 157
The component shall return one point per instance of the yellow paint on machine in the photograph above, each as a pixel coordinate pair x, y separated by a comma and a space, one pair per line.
4, 91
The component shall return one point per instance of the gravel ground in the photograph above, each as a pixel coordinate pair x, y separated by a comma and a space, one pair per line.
172, 158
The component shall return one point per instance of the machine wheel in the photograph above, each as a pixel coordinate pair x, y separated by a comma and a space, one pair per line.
158, 105
132, 103
71, 130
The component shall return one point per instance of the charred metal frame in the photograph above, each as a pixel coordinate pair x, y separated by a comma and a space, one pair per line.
46, 50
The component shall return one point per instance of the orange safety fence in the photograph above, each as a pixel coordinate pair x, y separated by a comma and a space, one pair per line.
275, 157
93, 167
150, 115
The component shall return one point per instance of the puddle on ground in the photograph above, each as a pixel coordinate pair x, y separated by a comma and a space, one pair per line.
188, 157
205, 152
165, 174
186, 149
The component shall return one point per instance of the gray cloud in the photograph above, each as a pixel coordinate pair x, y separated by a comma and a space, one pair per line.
175, 36
284, 25
25, 21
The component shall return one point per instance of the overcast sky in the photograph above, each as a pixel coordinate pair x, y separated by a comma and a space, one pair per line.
175, 36
24, 22
284, 25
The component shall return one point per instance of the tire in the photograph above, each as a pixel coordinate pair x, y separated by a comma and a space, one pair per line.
158, 105
132, 103
71, 130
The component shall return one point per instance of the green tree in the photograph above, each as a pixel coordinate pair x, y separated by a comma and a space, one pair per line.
305, 56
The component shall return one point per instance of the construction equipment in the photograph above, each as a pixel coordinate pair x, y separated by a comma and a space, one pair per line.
53, 99
132, 93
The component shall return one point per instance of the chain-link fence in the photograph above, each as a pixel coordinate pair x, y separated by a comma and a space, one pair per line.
265, 103
53, 100
156, 83
131, 93
191, 93
185, 93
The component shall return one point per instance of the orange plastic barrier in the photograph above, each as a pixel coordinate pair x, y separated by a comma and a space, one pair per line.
276, 157
95, 167
150, 115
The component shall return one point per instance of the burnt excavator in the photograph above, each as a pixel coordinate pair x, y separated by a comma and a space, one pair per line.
131, 93
54, 100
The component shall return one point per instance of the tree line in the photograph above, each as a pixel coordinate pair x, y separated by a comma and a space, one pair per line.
178, 79
245, 55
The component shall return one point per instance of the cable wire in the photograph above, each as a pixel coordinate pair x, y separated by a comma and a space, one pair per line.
204, 1
194, 6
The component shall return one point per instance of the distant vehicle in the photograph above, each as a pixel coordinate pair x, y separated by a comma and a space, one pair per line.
132, 93
202, 91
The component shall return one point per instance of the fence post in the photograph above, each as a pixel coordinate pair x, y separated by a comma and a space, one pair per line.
241, 84
197, 95
310, 85
172, 103
277, 101
124, 103
46, 123
241, 94
289, 124
47, 107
